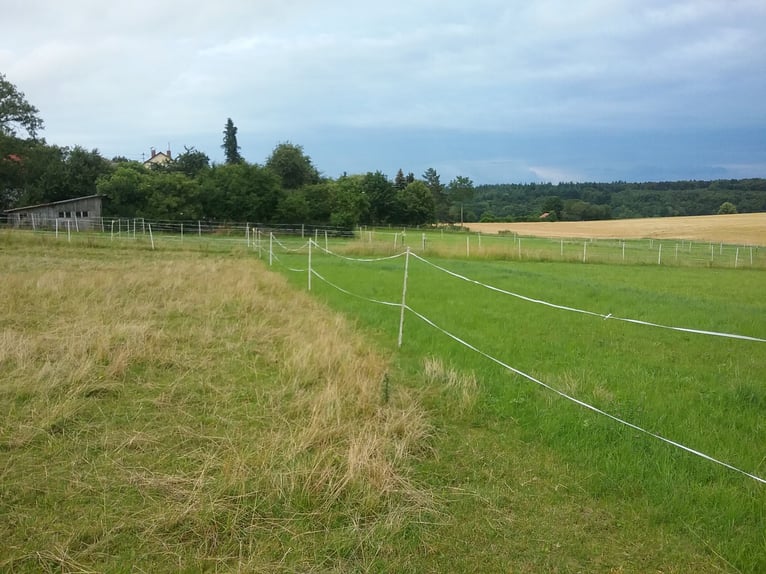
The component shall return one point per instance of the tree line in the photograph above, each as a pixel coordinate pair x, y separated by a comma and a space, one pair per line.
288, 188
617, 200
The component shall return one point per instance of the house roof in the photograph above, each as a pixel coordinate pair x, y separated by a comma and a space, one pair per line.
54, 203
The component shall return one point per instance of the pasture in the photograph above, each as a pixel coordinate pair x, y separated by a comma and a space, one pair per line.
185, 408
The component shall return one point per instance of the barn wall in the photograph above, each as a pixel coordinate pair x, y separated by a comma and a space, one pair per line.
83, 214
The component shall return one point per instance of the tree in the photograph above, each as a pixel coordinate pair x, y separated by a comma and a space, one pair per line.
126, 190
16, 112
239, 192
433, 182
400, 182
553, 205
350, 205
417, 204
727, 207
229, 145
384, 207
292, 166
191, 162
459, 191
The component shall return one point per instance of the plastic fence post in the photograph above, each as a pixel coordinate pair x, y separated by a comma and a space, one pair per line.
562, 248
199, 228
659, 255
68, 232
271, 247
309, 274
424, 242
736, 258
584, 250
404, 296
326, 244
151, 237
57, 231
751, 256
468, 246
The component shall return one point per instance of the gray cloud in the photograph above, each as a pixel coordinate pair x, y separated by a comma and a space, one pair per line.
103, 73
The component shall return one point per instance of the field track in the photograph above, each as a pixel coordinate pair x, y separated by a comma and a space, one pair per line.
744, 228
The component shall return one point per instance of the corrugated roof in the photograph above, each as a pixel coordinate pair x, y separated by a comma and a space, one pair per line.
53, 203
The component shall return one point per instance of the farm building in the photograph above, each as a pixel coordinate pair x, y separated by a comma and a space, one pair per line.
81, 213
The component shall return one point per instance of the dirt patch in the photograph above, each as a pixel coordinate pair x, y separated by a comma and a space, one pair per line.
744, 228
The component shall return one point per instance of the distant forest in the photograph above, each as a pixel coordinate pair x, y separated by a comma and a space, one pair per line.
618, 200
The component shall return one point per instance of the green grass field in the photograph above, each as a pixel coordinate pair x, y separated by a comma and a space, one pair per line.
189, 408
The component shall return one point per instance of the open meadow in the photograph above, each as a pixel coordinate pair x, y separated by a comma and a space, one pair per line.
191, 407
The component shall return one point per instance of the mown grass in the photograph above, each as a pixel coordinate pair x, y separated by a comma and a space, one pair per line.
704, 392
186, 409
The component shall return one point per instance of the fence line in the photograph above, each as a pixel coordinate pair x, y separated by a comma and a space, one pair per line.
554, 305
592, 313
641, 252
535, 380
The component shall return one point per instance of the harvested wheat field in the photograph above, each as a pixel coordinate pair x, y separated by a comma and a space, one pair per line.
745, 228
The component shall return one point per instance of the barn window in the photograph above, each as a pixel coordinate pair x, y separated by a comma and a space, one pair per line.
61, 215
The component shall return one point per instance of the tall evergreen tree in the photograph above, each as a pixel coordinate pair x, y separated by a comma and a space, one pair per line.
400, 182
229, 145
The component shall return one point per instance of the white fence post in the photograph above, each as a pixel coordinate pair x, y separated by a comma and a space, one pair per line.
151, 237
404, 296
309, 274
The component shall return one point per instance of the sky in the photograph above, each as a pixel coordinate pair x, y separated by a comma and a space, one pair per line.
501, 91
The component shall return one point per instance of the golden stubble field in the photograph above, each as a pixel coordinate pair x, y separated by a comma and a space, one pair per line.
744, 228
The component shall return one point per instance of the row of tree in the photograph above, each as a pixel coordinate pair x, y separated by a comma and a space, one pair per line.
618, 200
288, 188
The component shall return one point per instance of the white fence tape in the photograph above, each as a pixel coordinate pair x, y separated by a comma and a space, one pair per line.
359, 259
538, 381
582, 403
575, 310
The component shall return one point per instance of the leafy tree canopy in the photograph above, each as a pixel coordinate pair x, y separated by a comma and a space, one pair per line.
16, 112
292, 166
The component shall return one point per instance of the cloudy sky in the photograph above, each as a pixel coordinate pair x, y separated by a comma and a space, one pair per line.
497, 90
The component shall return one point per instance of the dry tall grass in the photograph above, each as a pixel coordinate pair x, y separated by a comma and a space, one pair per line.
190, 413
